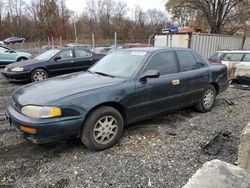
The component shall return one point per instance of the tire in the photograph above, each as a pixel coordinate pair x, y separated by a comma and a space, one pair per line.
208, 99
21, 59
102, 129
38, 75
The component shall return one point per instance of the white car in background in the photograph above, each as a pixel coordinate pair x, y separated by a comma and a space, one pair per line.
237, 62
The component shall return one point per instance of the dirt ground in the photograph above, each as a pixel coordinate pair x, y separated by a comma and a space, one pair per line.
161, 152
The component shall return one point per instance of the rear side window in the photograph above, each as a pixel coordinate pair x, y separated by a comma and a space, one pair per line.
246, 58
216, 56
165, 62
187, 61
199, 59
233, 57
82, 53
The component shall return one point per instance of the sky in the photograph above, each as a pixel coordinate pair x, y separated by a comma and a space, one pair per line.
79, 5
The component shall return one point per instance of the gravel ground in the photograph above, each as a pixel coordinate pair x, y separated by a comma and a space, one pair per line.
161, 152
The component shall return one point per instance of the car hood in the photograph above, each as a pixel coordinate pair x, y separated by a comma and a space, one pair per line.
24, 63
50, 90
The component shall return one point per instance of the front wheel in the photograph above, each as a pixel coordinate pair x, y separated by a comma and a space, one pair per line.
102, 128
207, 101
38, 75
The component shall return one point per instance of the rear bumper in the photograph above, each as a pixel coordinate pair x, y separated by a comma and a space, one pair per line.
16, 75
47, 130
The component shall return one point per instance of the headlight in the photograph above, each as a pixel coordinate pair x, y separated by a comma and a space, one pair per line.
17, 69
41, 111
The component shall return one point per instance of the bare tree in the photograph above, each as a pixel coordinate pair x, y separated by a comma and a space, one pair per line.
217, 12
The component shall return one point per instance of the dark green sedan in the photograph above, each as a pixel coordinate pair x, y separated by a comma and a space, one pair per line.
124, 87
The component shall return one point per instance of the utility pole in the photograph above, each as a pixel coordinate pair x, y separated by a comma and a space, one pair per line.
115, 40
75, 31
93, 40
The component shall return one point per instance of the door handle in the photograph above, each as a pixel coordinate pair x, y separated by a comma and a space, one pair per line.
176, 82
72, 61
91, 59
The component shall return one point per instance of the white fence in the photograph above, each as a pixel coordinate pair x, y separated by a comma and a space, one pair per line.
205, 44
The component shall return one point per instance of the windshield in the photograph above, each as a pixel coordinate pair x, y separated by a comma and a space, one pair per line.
47, 55
120, 63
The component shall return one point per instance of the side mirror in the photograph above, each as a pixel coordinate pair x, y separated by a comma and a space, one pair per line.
150, 74
57, 58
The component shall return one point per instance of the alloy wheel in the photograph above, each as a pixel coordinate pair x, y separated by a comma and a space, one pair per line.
208, 98
105, 129
39, 75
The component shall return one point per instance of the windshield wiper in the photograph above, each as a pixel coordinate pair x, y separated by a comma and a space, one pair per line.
104, 74
89, 71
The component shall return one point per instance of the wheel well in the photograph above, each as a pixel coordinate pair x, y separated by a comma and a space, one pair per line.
22, 58
216, 86
40, 68
116, 106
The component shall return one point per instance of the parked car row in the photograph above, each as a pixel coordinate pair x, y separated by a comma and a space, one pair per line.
51, 63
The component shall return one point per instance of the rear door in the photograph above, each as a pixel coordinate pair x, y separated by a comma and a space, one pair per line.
193, 76
232, 60
64, 64
83, 59
243, 68
160, 94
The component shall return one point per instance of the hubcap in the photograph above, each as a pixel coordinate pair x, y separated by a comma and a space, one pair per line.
105, 129
208, 98
38, 76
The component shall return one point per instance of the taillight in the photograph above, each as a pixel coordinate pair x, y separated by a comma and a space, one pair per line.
216, 61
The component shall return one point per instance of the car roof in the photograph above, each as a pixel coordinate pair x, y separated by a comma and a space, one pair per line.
155, 49
74, 48
234, 51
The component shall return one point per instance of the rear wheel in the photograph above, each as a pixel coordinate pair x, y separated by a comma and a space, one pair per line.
208, 99
102, 128
38, 75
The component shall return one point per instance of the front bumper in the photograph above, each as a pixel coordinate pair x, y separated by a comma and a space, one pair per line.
47, 130
25, 76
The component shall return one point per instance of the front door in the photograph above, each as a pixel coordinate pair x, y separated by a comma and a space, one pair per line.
63, 63
161, 94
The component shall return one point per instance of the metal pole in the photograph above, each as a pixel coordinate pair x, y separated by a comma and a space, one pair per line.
52, 40
75, 32
93, 40
149, 39
48, 42
60, 40
115, 40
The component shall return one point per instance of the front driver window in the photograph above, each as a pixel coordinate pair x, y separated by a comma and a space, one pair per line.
165, 62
